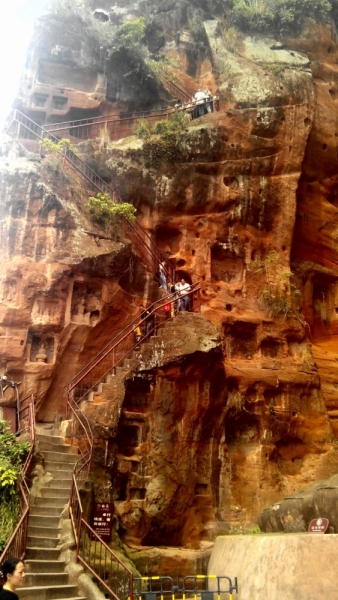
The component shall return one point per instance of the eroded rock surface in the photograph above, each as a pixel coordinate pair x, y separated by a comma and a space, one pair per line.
227, 411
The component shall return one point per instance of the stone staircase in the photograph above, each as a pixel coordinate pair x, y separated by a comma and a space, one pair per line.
46, 578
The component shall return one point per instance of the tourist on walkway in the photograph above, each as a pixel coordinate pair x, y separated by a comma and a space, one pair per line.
13, 572
162, 277
138, 337
183, 287
148, 323
208, 96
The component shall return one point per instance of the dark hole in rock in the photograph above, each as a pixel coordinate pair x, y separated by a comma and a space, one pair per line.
137, 395
231, 182
180, 274
101, 15
270, 347
197, 235
181, 263
324, 146
59, 103
307, 121
201, 489
332, 93
193, 252
225, 266
228, 307
137, 493
127, 440
168, 238
242, 339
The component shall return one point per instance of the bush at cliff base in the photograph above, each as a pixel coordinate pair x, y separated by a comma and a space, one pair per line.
12, 455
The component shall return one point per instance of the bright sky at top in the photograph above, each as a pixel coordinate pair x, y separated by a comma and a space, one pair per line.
16, 27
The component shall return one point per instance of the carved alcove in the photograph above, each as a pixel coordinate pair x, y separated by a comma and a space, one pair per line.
86, 303
9, 290
225, 265
41, 348
46, 309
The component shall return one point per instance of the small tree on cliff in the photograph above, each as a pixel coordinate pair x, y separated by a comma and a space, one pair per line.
106, 213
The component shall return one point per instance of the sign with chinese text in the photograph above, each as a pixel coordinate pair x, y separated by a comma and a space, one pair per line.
318, 525
102, 519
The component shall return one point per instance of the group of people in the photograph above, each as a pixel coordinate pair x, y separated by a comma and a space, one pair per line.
200, 104
178, 301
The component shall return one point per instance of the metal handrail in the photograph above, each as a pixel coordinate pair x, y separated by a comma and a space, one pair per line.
16, 545
148, 250
175, 86
98, 558
109, 357
102, 119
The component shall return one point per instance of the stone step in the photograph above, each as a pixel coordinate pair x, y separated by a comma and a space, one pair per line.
49, 511
57, 484
60, 474
37, 553
46, 521
60, 457
52, 447
52, 466
48, 593
53, 502
50, 439
42, 542
53, 492
45, 579
44, 566
42, 532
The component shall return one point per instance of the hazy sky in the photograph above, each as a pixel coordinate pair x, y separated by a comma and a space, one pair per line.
16, 26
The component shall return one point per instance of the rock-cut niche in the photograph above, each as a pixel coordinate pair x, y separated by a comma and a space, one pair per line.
86, 304
41, 348
225, 265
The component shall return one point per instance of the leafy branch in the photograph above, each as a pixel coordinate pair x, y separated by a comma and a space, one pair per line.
105, 212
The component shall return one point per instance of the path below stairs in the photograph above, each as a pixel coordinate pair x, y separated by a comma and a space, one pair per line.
46, 578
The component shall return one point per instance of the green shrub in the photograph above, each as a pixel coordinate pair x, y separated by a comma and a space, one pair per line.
105, 212
55, 147
280, 16
12, 454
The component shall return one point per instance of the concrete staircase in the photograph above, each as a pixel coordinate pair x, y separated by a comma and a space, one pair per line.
46, 578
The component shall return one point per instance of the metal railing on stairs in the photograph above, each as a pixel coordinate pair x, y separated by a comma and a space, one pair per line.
117, 126
92, 551
149, 253
16, 545
174, 86
114, 353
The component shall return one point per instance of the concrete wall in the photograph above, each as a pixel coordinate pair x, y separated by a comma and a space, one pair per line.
278, 566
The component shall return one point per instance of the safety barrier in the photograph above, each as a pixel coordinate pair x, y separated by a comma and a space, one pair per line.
16, 545
194, 587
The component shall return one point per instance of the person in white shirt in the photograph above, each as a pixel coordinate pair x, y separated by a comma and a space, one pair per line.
184, 300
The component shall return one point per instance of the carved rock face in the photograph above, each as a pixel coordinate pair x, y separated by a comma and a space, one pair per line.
203, 433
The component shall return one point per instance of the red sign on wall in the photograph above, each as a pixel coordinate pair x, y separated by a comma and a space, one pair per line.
102, 519
318, 525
